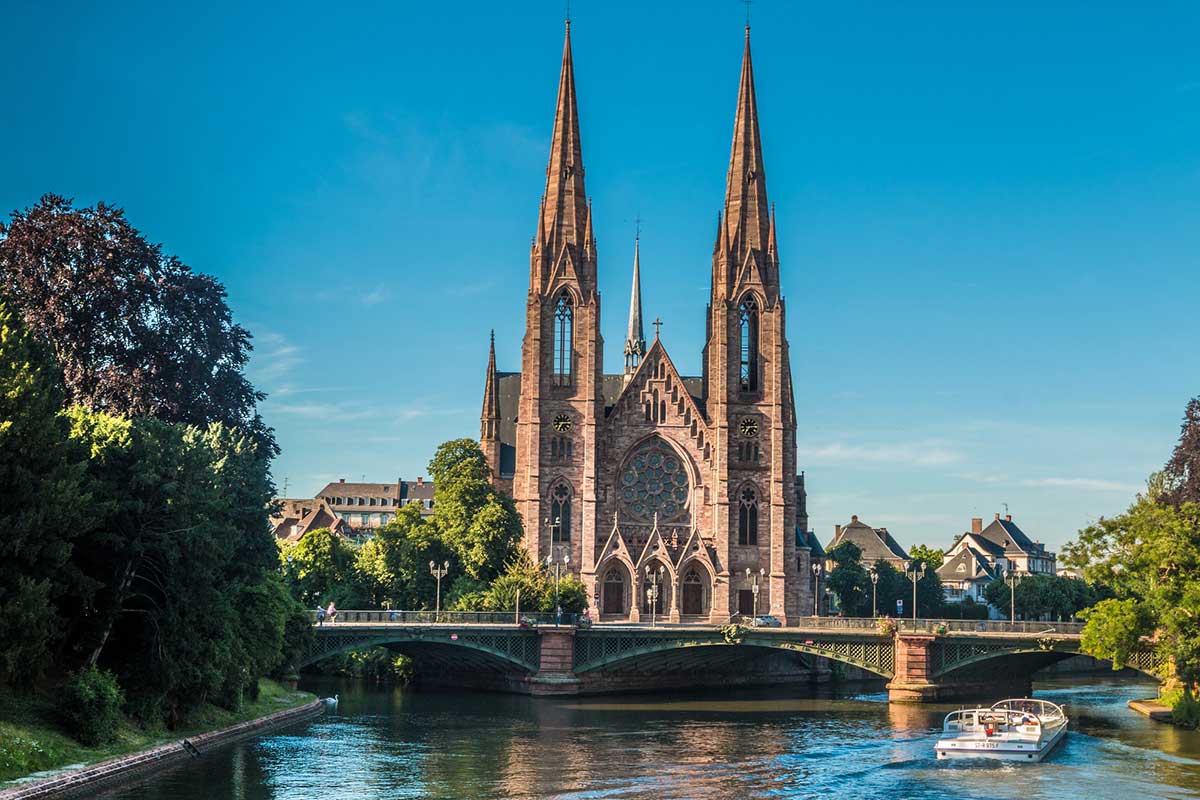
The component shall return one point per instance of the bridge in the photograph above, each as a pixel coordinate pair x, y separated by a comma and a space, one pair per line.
922, 660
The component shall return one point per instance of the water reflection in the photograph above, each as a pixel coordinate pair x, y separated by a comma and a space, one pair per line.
735, 744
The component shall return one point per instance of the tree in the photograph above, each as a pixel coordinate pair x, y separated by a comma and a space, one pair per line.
931, 557
848, 580
135, 331
1149, 557
321, 568
393, 564
1115, 628
478, 523
524, 576
42, 501
1182, 473
1038, 596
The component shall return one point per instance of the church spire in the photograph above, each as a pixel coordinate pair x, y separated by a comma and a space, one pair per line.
635, 341
490, 418
564, 212
746, 209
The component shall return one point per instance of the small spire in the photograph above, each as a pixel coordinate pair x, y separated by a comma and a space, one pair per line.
589, 241
771, 239
490, 418
635, 340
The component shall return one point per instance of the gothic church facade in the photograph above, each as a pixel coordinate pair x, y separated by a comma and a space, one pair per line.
667, 494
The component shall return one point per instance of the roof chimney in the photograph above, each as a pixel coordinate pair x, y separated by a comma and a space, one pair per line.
854, 517
997, 515
421, 482
976, 524
837, 531
341, 480
1008, 517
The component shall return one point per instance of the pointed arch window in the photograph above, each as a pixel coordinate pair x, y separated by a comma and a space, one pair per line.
564, 335
748, 517
560, 514
748, 323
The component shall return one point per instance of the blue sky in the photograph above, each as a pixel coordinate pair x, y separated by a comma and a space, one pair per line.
989, 216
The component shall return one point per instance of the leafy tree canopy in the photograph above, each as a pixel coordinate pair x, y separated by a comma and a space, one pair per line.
1182, 473
931, 557
135, 331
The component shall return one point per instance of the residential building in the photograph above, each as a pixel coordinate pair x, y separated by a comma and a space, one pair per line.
366, 506
1005, 547
875, 543
296, 517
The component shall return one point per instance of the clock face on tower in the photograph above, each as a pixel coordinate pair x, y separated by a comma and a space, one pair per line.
562, 423
748, 427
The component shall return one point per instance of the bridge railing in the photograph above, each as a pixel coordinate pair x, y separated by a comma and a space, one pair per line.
384, 617
986, 626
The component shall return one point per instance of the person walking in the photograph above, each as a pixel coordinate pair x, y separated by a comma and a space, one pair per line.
320, 616
331, 612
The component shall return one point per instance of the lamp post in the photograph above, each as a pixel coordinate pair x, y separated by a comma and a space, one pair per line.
918, 569
439, 573
1012, 578
816, 571
874, 591
755, 577
566, 559
655, 578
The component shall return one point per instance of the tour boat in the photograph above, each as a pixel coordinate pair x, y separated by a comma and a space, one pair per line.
1011, 730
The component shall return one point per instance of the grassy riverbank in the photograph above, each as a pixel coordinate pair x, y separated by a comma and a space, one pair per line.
32, 741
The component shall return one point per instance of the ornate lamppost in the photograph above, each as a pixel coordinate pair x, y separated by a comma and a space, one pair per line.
1012, 578
816, 571
655, 578
754, 578
874, 591
914, 574
439, 573
566, 559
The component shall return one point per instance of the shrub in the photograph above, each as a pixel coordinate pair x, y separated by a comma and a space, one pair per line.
1185, 709
90, 706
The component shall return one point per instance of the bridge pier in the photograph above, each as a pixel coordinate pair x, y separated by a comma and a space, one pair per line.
556, 665
914, 681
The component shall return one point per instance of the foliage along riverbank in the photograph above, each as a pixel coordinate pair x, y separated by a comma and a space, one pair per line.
32, 740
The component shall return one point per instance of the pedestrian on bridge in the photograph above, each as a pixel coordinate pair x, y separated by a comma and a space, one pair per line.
320, 616
331, 612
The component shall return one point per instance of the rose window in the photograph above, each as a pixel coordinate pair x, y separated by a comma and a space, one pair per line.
654, 481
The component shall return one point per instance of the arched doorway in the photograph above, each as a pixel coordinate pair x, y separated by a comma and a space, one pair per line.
692, 596
612, 593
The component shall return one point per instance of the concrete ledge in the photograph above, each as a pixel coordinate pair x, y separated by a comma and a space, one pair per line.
92, 779
1152, 709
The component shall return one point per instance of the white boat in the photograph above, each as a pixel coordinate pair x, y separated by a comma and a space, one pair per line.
1011, 730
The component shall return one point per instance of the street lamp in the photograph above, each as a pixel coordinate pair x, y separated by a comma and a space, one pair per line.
754, 578
439, 573
1012, 578
816, 571
918, 569
874, 591
655, 578
557, 567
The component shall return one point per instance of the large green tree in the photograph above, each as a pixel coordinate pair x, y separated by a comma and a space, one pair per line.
394, 563
848, 580
321, 568
1181, 476
1149, 557
478, 523
42, 501
135, 331
1038, 596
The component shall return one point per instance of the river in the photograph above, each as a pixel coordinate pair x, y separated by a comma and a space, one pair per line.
843, 743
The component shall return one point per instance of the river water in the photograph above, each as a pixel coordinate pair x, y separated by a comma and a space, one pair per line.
844, 743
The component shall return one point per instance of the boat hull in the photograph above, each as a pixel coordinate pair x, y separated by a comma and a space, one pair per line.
1002, 750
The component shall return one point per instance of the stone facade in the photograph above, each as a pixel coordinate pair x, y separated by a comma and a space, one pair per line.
652, 478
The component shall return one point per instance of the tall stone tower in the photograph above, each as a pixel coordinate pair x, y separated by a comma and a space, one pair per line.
748, 379
563, 353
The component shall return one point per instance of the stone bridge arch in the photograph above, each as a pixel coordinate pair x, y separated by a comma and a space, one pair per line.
950, 658
499, 649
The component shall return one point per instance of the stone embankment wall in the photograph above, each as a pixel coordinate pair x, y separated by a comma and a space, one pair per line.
89, 781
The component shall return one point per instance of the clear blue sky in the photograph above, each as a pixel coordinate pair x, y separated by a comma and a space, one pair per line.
989, 216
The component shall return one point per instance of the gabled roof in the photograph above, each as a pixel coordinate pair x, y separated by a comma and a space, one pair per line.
968, 564
1007, 535
875, 543
809, 539
321, 516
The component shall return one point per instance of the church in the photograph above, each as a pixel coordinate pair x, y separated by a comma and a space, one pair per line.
669, 495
